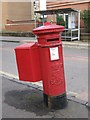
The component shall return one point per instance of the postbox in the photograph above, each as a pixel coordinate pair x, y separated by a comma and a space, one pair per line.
44, 61
52, 66
28, 63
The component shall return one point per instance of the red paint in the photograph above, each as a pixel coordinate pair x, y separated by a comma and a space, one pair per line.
52, 71
28, 63
43, 60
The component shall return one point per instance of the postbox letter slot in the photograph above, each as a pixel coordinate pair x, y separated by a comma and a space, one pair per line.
52, 40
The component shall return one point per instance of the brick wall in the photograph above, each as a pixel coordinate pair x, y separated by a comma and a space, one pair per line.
24, 25
75, 5
16, 11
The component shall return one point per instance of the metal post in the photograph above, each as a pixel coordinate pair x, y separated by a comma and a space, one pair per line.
65, 28
34, 4
71, 26
79, 25
43, 19
35, 20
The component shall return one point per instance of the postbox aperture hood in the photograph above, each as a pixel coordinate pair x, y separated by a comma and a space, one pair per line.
48, 28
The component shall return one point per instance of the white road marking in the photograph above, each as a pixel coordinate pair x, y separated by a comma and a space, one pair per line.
38, 84
16, 78
73, 94
9, 75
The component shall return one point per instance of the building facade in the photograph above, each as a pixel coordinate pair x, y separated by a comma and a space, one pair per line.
74, 4
18, 13
79, 5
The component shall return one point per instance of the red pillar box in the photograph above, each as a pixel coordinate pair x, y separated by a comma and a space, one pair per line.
52, 68
28, 63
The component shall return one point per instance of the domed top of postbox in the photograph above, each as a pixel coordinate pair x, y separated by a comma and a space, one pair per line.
48, 28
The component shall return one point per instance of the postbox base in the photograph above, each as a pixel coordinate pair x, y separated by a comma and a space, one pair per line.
55, 102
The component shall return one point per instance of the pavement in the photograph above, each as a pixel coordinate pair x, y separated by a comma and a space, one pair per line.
21, 100
25, 100
34, 39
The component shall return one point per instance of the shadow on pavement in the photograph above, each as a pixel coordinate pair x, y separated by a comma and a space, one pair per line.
29, 100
